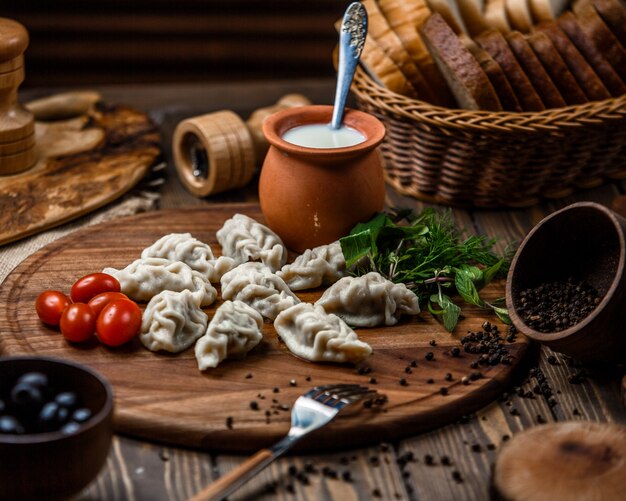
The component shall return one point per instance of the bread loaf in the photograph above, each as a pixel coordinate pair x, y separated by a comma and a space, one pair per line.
535, 71
495, 16
390, 43
494, 43
467, 80
405, 18
556, 68
596, 29
613, 13
496, 76
518, 14
613, 82
588, 80
450, 14
471, 13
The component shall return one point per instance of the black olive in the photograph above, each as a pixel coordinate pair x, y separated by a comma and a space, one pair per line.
48, 415
70, 428
26, 394
9, 424
37, 379
67, 399
81, 415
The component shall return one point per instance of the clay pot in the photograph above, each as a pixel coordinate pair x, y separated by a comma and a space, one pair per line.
587, 241
313, 196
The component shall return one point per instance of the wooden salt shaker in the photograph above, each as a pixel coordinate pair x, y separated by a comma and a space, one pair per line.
218, 151
17, 125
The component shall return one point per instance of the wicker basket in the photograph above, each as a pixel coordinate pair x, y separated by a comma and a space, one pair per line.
495, 159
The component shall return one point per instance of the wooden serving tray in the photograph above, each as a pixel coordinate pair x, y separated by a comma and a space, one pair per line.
90, 153
165, 398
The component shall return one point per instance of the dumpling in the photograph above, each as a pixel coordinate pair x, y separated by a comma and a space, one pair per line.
143, 279
191, 251
322, 265
311, 333
172, 322
257, 286
243, 239
369, 300
234, 330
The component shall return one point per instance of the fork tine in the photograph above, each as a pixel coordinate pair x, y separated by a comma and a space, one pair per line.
338, 396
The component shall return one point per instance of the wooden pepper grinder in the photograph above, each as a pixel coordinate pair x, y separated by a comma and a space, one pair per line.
219, 151
17, 125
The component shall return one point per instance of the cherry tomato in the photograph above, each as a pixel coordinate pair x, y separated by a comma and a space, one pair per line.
91, 285
50, 306
97, 303
118, 322
78, 322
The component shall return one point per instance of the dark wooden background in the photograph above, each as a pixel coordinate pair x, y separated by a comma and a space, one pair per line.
85, 42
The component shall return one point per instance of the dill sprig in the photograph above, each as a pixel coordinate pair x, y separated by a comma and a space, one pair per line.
429, 254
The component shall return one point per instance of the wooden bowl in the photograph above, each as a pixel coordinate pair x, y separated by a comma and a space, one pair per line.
54, 465
585, 241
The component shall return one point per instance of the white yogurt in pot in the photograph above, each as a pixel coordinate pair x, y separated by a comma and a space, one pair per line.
323, 136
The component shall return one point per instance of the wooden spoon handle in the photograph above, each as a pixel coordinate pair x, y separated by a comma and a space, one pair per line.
223, 486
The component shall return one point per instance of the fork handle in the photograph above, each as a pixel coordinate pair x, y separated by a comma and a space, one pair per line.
225, 485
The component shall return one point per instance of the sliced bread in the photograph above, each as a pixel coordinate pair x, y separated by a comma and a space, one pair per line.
518, 13
571, 27
596, 29
496, 76
449, 12
472, 16
535, 71
467, 80
495, 44
405, 18
613, 13
388, 41
556, 68
588, 80
546, 10
495, 16
383, 70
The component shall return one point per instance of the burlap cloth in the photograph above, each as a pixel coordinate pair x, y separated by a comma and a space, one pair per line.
142, 198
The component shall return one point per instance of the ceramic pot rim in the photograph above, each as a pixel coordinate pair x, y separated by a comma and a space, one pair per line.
54, 436
573, 330
278, 123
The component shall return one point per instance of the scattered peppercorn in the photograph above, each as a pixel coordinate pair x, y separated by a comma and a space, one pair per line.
373, 380
376, 493
448, 376
413, 363
229, 422
293, 383
346, 476
429, 460
429, 356
457, 476
275, 390
455, 351
308, 378
445, 460
430, 381
432, 342
254, 405
408, 370
552, 360
248, 375
443, 390
403, 382
476, 448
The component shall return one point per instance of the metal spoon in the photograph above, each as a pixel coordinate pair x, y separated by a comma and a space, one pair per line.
351, 41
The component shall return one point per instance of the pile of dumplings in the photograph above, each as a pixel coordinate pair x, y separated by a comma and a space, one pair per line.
175, 275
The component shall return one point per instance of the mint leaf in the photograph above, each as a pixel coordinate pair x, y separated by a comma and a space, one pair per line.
491, 272
503, 314
449, 310
466, 288
473, 272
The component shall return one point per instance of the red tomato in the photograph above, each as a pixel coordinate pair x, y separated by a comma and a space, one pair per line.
97, 303
78, 322
118, 322
91, 285
50, 306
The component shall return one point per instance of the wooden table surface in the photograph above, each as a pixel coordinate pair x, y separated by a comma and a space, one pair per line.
461, 455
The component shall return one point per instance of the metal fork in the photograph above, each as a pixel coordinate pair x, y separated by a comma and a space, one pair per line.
311, 411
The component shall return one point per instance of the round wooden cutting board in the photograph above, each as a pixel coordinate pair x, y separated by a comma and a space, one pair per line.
166, 398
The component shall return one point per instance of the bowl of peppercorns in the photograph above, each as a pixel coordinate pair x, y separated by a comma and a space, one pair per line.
566, 287
56, 426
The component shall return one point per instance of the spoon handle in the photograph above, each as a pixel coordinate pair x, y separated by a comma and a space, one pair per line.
351, 41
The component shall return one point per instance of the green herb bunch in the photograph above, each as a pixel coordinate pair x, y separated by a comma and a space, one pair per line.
430, 256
